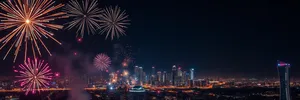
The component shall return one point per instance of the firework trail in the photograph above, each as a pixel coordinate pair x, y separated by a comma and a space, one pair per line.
28, 20
113, 22
34, 75
102, 62
85, 14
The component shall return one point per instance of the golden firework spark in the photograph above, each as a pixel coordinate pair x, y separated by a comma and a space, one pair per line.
28, 20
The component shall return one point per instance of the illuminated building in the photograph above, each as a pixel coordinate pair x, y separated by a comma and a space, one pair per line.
179, 72
179, 81
169, 79
140, 75
153, 71
152, 78
164, 76
184, 78
192, 77
174, 74
136, 72
192, 74
284, 75
159, 76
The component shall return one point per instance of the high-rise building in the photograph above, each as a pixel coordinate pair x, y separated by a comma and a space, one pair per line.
192, 77
169, 79
140, 75
192, 74
284, 75
153, 71
174, 74
136, 71
144, 77
153, 78
178, 79
184, 78
179, 72
159, 77
164, 78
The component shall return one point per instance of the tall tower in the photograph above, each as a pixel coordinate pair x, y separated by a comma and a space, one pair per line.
152, 79
179, 77
192, 77
136, 71
164, 78
174, 74
159, 77
153, 70
141, 75
284, 75
192, 74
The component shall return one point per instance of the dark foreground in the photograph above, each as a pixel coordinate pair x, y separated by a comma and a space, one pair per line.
209, 94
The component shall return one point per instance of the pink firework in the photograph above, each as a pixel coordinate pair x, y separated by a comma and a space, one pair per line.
34, 75
102, 62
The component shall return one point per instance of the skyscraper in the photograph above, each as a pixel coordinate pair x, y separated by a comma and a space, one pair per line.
153, 79
136, 71
164, 78
192, 77
169, 79
284, 75
192, 74
140, 75
184, 78
153, 70
173, 74
179, 77
159, 77
179, 72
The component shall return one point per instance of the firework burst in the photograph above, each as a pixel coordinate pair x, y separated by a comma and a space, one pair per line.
85, 14
34, 75
28, 20
113, 22
102, 62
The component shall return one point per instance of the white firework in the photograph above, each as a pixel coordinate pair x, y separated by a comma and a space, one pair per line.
85, 14
113, 22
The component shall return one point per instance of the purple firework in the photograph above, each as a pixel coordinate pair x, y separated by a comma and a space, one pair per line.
34, 75
102, 62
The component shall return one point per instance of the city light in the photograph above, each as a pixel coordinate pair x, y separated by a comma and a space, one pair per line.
125, 73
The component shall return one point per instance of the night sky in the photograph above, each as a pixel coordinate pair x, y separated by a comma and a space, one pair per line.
226, 38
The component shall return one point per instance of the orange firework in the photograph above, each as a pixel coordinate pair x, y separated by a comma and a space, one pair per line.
28, 20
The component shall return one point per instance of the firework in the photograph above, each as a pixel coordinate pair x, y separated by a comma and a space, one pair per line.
126, 62
113, 22
102, 62
125, 73
34, 75
28, 20
85, 14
